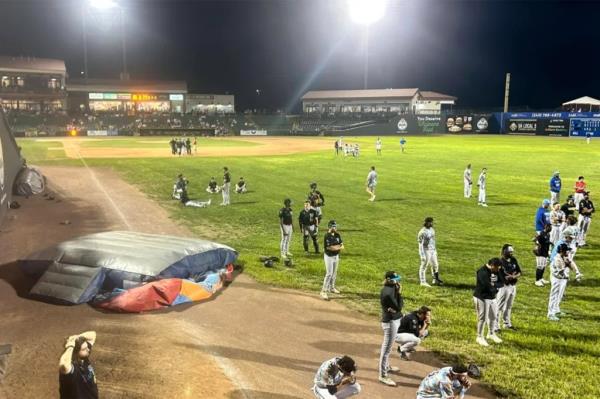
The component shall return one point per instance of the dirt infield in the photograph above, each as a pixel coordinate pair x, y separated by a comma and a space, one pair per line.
251, 342
266, 146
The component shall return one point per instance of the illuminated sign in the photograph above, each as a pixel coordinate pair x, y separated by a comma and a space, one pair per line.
176, 97
144, 97
96, 96
123, 96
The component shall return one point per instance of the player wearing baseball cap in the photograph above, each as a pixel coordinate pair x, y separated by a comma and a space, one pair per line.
428, 253
448, 382
555, 186
333, 244
391, 313
542, 216
484, 297
586, 209
511, 271
481, 184
560, 266
286, 226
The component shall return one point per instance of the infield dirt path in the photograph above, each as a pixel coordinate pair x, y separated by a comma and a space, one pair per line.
252, 341
265, 146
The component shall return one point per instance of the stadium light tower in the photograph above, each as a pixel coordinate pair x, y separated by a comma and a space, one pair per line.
366, 13
104, 5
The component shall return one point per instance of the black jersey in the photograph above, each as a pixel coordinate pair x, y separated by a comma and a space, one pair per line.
332, 239
285, 216
308, 217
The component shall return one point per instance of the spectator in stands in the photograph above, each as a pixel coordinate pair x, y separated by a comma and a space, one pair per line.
240, 187
213, 187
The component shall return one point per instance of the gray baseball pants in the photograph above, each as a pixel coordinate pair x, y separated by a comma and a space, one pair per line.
486, 314
390, 329
331, 268
286, 238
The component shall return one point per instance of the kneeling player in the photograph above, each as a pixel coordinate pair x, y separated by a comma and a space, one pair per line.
213, 187
240, 187
448, 382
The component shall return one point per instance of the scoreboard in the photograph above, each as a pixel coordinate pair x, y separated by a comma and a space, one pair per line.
580, 127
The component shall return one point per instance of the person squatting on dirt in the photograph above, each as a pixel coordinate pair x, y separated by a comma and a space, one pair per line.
336, 378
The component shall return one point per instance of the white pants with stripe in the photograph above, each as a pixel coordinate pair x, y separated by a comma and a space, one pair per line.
468, 188
584, 226
481, 198
577, 198
557, 291
428, 258
345, 392
331, 268
554, 197
225, 192
286, 238
505, 298
389, 333
407, 341
555, 234
486, 314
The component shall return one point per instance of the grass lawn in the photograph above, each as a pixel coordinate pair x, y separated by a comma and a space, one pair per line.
541, 360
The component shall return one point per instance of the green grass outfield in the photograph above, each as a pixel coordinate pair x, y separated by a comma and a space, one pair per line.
155, 142
541, 360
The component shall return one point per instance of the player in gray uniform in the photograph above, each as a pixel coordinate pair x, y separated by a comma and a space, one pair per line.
226, 186
481, 183
333, 244
180, 185
511, 271
428, 253
336, 378
557, 217
559, 275
468, 181
317, 200
372, 183
308, 226
286, 227
378, 145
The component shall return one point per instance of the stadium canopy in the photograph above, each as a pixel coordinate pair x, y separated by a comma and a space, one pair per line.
129, 271
585, 101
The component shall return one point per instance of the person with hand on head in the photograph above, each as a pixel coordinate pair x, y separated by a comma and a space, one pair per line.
391, 313
77, 379
446, 383
414, 327
484, 296
336, 378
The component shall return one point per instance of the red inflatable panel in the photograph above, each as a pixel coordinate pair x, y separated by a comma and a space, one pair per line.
155, 295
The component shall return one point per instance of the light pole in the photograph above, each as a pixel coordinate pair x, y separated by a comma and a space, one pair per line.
103, 5
366, 13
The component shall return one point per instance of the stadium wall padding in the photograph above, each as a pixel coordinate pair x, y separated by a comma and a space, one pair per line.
10, 165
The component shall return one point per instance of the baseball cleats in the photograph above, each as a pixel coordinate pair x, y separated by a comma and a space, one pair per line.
387, 381
335, 291
553, 318
324, 296
539, 283
494, 338
404, 355
545, 281
425, 284
393, 369
513, 328
481, 341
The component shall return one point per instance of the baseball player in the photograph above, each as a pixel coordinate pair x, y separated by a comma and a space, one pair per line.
542, 216
180, 185
468, 181
240, 187
588, 137
212, 187
481, 183
333, 244
317, 200
484, 297
372, 183
557, 218
568, 235
185, 200
580, 189
555, 186
511, 271
226, 186
308, 226
541, 252
586, 209
378, 146
414, 327
336, 378
446, 383
391, 312
402, 144
559, 266
428, 253
568, 209
286, 227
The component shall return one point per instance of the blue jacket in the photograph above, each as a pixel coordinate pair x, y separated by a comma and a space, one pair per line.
541, 218
555, 184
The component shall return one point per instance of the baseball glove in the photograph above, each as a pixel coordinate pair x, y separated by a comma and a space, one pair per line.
473, 371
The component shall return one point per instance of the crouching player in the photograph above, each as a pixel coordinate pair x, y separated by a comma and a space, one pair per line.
448, 382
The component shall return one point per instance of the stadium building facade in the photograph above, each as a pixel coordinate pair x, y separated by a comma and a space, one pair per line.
32, 84
397, 101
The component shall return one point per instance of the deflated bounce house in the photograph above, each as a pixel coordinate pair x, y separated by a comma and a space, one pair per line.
130, 272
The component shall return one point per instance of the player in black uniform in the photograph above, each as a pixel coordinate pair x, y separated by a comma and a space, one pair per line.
506, 295
541, 252
308, 226
180, 185
333, 245
286, 227
226, 186
316, 201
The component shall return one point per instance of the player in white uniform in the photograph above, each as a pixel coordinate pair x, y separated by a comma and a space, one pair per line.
372, 183
559, 267
468, 181
481, 183
428, 253
446, 383
557, 217
378, 146
336, 378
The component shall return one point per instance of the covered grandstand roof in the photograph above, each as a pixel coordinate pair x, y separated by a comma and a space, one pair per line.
354, 94
104, 85
434, 95
586, 100
32, 65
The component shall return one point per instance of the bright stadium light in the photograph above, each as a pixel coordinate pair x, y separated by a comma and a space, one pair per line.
367, 12
103, 4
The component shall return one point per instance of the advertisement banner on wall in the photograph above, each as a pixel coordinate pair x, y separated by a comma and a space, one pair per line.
253, 132
556, 126
97, 132
521, 126
427, 124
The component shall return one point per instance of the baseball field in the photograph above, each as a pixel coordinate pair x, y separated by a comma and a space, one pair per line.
541, 359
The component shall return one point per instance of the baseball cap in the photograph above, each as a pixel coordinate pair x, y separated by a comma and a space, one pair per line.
332, 224
545, 202
563, 248
287, 201
556, 172
391, 275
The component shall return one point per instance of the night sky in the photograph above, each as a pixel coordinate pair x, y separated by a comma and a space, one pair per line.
286, 47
